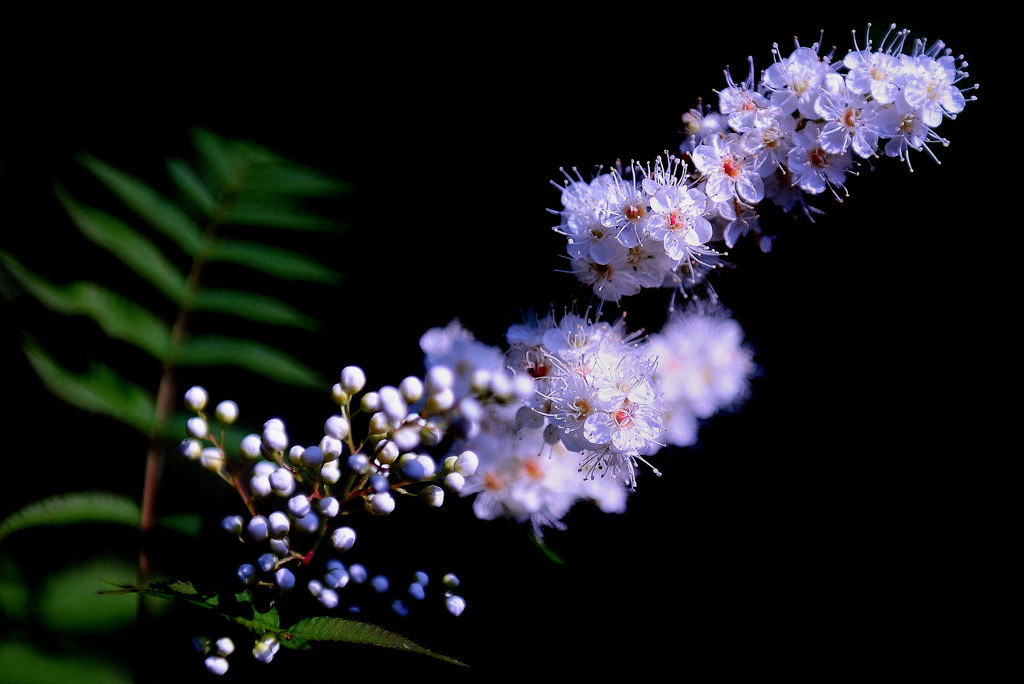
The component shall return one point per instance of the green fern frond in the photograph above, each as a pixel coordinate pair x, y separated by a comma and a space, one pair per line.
223, 202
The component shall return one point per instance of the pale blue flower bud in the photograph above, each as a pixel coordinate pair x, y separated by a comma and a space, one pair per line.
258, 528
416, 591
298, 505
455, 605
227, 412
225, 646
284, 578
308, 523
467, 464
266, 648
382, 504
357, 571
353, 379
247, 573
279, 524
191, 448
337, 426
282, 481
380, 583
232, 524
454, 482
329, 506
387, 452
216, 664
433, 496
330, 472
328, 598
370, 402
398, 605
280, 547
336, 578
267, 562
197, 428
331, 448
196, 398
411, 389
343, 538
250, 447
450, 581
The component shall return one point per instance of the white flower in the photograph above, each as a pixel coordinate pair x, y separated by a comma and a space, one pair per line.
849, 122
793, 83
812, 168
679, 222
703, 368
729, 169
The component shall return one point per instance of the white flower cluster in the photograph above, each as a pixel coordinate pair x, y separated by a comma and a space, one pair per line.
798, 131
603, 401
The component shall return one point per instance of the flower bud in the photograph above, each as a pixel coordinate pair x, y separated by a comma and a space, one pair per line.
329, 506
267, 562
411, 389
331, 448
379, 424
387, 452
308, 523
216, 664
339, 395
450, 581
455, 605
353, 379
442, 400
275, 441
337, 426
328, 598
211, 458
249, 447
382, 503
298, 506
191, 449
284, 578
227, 412
432, 496
197, 428
225, 646
258, 528
282, 481
343, 538
439, 378
232, 524
330, 472
312, 457
454, 482
370, 402
279, 524
247, 574
196, 398
266, 648
467, 464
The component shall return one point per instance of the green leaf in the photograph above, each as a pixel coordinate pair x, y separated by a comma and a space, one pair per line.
159, 212
253, 307
99, 390
124, 242
269, 212
273, 261
323, 628
191, 186
287, 178
250, 355
71, 509
117, 316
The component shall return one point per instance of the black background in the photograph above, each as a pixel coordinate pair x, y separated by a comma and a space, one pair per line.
839, 522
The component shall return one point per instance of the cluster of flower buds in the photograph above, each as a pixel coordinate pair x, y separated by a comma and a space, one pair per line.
373, 452
798, 131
